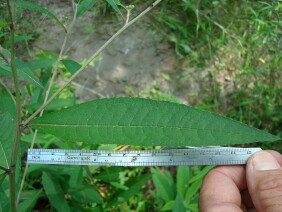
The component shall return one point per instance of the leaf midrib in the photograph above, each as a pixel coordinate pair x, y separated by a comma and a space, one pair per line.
132, 126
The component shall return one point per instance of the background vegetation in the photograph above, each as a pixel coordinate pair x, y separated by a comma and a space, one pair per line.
238, 44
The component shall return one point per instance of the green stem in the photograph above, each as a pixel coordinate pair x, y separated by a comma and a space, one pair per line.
18, 113
47, 94
89, 61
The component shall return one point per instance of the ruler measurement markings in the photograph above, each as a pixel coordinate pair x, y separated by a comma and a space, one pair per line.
168, 157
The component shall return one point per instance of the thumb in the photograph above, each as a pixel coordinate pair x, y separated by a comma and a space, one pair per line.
264, 179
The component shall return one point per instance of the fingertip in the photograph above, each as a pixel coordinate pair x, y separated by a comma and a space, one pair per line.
264, 180
276, 155
262, 160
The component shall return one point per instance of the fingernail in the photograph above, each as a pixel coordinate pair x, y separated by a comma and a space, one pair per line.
263, 160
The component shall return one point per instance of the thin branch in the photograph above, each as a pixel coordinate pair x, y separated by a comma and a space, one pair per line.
89, 61
60, 57
88, 89
25, 172
54, 74
18, 112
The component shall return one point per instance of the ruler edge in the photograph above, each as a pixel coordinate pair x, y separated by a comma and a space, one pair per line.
143, 151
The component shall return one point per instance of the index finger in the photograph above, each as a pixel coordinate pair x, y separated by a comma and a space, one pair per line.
221, 189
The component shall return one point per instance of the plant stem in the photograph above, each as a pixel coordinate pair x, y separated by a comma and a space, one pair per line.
54, 74
18, 113
89, 61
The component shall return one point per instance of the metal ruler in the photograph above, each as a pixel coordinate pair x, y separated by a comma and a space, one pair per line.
164, 157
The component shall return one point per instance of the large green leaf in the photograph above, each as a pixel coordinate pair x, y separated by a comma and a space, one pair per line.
32, 6
138, 121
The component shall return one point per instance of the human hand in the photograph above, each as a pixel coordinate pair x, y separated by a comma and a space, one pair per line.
255, 187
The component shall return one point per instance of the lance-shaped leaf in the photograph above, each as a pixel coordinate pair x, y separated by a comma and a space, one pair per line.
138, 121
71, 66
23, 71
32, 6
83, 6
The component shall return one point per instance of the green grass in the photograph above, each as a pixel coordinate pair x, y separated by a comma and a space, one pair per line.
239, 44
